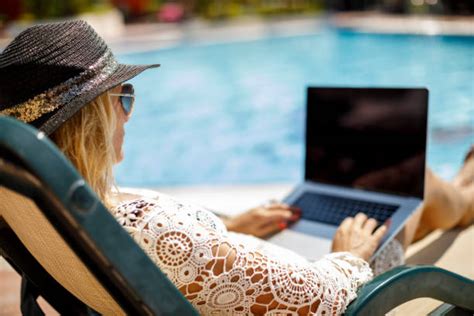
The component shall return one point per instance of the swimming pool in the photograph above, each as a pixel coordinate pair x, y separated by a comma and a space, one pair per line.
234, 112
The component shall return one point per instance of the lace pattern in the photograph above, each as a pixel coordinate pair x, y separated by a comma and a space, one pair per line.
390, 257
223, 273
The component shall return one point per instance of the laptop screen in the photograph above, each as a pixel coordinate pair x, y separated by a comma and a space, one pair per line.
369, 138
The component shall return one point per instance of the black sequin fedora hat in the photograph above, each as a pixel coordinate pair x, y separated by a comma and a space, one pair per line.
50, 71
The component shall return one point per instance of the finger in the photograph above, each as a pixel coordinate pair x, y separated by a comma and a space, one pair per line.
295, 210
359, 220
277, 206
346, 224
388, 223
277, 215
379, 233
272, 228
369, 226
285, 207
294, 217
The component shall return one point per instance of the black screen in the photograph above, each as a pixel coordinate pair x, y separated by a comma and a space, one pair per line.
370, 138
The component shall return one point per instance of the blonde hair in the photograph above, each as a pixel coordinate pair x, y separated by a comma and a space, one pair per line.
87, 140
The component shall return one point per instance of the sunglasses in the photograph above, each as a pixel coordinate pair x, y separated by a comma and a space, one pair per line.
126, 97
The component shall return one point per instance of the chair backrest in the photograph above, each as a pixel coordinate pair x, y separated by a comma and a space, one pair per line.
72, 235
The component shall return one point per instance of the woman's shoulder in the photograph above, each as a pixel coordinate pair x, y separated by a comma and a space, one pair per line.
152, 203
144, 208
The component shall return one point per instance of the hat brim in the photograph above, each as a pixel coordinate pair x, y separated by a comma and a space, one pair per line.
50, 122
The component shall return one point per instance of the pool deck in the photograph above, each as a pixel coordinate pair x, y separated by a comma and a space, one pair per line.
452, 250
144, 37
409, 24
152, 36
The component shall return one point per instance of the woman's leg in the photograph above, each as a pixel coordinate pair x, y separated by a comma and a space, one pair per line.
446, 204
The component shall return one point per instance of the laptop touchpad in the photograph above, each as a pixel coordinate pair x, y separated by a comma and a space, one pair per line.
310, 247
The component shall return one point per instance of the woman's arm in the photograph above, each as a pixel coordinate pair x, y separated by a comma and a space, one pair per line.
236, 280
218, 272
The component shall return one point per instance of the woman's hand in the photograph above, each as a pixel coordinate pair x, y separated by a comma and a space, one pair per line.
357, 236
264, 220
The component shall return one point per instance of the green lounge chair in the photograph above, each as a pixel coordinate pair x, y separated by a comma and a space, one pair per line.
69, 249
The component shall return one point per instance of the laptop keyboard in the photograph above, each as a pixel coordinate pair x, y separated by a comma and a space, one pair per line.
333, 209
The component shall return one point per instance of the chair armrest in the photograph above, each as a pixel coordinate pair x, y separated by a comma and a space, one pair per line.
406, 283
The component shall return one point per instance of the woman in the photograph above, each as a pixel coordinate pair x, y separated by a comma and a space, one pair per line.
64, 80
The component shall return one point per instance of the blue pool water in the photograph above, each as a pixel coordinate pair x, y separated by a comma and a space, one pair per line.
234, 112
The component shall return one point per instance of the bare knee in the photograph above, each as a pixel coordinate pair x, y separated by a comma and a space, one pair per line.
435, 217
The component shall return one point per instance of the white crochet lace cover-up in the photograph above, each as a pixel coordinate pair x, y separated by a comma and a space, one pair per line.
225, 273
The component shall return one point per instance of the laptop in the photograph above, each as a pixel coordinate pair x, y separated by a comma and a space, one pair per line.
365, 152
